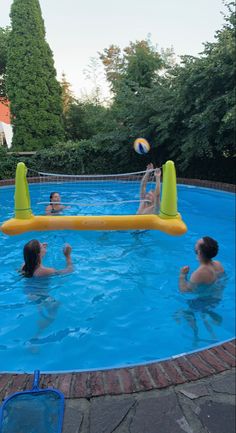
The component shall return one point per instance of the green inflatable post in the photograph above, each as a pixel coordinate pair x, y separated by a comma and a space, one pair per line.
169, 192
22, 196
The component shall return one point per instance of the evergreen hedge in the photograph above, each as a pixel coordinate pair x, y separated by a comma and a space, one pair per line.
86, 158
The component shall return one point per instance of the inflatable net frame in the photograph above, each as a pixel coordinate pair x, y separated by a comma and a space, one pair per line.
168, 220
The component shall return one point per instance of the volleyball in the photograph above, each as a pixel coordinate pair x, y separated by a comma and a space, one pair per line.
141, 146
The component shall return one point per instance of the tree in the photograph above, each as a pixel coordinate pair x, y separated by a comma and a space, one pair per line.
136, 66
32, 88
4, 35
66, 94
203, 94
132, 74
94, 73
84, 120
142, 63
113, 62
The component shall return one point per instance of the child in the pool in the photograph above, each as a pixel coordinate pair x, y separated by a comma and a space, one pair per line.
150, 201
55, 205
34, 251
209, 270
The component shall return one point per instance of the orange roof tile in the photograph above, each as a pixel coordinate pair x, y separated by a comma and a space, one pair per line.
5, 112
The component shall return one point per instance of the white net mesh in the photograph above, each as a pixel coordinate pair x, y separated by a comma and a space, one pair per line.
114, 194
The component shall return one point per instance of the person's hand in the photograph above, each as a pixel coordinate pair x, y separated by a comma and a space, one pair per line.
157, 172
184, 270
150, 167
67, 250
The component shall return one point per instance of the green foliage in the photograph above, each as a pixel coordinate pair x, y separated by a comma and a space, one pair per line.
7, 164
86, 157
204, 95
66, 94
32, 87
83, 120
136, 66
4, 35
142, 64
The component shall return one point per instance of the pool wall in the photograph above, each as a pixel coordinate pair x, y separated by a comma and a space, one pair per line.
184, 181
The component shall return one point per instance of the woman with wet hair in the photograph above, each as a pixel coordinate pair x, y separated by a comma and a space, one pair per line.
33, 252
55, 205
209, 270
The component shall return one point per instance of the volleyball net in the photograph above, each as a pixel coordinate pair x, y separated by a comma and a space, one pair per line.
92, 194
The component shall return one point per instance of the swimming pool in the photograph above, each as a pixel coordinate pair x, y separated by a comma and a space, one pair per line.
121, 306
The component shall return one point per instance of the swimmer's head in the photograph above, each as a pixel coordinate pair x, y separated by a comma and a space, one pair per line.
33, 253
149, 197
55, 197
206, 248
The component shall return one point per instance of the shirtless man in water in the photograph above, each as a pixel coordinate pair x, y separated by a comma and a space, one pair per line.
209, 270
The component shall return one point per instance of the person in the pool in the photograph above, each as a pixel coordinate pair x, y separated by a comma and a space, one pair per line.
55, 205
150, 201
208, 271
33, 252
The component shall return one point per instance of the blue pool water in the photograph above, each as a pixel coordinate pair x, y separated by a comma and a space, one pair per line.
121, 306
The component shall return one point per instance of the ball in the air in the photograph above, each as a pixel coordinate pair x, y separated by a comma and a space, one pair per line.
141, 146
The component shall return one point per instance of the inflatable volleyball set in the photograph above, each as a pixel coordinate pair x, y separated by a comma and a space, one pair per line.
168, 220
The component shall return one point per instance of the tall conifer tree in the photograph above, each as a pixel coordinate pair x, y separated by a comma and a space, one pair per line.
32, 88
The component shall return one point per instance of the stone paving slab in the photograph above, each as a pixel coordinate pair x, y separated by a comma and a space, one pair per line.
74, 415
205, 406
160, 414
224, 384
107, 414
195, 391
218, 417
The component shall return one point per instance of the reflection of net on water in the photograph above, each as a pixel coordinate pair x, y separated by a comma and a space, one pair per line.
114, 194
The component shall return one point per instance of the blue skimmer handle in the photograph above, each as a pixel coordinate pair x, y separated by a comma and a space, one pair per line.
36, 380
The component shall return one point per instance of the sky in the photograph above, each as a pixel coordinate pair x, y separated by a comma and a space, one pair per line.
77, 30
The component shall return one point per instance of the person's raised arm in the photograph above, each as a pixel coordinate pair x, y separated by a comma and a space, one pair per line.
43, 271
145, 180
69, 266
157, 190
184, 284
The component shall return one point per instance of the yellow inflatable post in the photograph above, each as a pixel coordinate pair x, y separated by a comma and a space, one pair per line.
22, 196
169, 192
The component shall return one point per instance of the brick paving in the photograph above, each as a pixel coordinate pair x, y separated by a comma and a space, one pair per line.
193, 393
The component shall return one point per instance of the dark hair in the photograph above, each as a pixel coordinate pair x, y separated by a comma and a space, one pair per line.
208, 248
52, 194
31, 257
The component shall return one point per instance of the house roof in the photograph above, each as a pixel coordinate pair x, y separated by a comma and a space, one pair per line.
5, 112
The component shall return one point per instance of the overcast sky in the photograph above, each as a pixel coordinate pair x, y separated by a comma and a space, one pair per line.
77, 29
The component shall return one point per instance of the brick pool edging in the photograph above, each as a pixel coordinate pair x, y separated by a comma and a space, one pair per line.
157, 375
